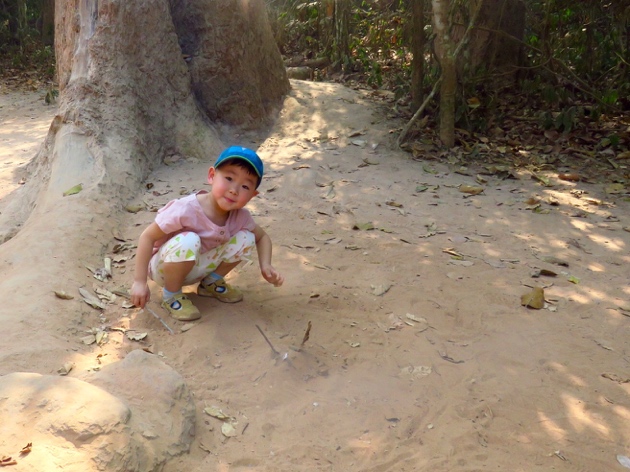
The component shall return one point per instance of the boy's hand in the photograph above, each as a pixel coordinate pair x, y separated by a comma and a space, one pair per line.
140, 294
272, 276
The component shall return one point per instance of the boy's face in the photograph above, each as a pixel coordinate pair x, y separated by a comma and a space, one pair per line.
232, 186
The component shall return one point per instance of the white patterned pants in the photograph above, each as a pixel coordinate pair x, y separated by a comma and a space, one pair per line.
186, 246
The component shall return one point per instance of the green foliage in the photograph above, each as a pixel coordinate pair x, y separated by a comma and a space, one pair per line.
379, 46
21, 47
575, 64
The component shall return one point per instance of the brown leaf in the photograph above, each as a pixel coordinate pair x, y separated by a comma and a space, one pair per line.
5, 461
26, 449
470, 189
570, 177
615, 378
532, 201
63, 295
534, 299
554, 260
134, 208
452, 252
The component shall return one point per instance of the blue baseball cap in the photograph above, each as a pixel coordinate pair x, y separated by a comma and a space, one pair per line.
238, 152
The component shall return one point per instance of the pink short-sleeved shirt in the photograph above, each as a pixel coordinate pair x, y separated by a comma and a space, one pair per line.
186, 214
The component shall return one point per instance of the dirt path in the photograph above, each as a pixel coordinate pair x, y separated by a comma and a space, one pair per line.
420, 355
24, 121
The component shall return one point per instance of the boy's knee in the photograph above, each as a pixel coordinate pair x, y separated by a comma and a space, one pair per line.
188, 240
182, 247
246, 238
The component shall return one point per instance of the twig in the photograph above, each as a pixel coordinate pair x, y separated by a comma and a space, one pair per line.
416, 115
446, 357
161, 320
307, 334
268, 342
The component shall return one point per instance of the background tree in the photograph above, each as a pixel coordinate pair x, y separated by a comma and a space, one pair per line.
445, 47
418, 46
341, 44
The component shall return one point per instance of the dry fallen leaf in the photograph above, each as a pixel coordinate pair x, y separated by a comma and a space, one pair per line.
228, 430
369, 162
63, 295
364, 226
570, 177
554, 260
91, 299
6, 461
470, 189
89, 339
134, 208
534, 299
615, 378
133, 336
65, 369
215, 412
381, 289
614, 189
26, 449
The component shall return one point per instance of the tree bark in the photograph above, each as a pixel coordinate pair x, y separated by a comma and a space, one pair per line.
48, 22
445, 48
236, 69
341, 46
490, 50
418, 41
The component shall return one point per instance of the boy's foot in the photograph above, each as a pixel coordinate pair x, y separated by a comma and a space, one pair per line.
220, 290
181, 308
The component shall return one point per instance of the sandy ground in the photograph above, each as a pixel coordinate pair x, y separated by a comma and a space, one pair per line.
420, 356
24, 121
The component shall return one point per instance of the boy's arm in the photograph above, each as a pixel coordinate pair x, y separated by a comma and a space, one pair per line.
140, 293
264, 249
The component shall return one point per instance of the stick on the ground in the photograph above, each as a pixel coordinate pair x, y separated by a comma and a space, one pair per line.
268, 342
161, 320
306, 335
405, 130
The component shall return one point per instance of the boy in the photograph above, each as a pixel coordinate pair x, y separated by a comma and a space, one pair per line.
202, 237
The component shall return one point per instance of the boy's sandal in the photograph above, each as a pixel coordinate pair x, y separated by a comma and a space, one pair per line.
220, 290
181, 308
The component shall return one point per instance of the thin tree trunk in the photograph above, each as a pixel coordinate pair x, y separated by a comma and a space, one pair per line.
446, 57
456, 52
48, 22
341, 45
418, 41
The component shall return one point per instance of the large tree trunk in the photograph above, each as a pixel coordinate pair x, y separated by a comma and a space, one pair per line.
236, 69
126, 103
